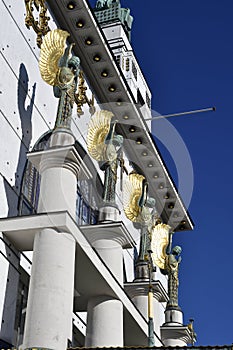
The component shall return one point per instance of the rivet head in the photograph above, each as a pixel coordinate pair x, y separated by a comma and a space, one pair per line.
139, 141
79, 24
71, 5
112, 88
96, 58
88, 41
104, 74
132, 129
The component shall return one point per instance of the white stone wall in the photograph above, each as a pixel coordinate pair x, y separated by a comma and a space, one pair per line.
27, 110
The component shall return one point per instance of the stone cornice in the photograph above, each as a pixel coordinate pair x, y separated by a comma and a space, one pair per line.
64, 157
134, 289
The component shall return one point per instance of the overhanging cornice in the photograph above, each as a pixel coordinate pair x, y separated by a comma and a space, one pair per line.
80, 22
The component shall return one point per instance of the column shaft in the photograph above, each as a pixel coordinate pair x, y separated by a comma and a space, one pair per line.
104, 322
105, 313
49, 310
50, 301
58, 191
111, 253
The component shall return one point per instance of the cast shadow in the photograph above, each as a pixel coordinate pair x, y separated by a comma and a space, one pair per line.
25, 114
7, 333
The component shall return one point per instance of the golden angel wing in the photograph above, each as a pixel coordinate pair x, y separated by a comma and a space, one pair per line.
132, 193
52, 49
159, 242
98, 129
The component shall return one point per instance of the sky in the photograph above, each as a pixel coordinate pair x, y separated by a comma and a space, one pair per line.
185, 50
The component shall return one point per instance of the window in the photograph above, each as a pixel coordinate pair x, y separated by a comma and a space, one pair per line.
148, 100
134, 70
127, 64
87, 195
118, 59
21, 306
30, 187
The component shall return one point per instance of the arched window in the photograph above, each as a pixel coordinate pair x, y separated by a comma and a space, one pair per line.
88, 190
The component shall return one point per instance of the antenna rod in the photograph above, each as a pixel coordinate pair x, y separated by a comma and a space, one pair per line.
210, 109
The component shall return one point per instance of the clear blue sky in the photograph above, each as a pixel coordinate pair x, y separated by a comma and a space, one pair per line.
185, 49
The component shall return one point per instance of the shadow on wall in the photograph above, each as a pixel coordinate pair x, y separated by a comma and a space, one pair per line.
9, 328
25, 114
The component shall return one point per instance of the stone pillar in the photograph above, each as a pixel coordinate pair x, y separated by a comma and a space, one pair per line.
58, 188
50, 301
138, 293
104, 322
104, 312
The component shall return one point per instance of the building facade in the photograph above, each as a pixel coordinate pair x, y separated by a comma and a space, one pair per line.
83, 186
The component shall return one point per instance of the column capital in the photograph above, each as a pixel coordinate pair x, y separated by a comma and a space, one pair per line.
134, 289
176, 335
61, 157
115, 232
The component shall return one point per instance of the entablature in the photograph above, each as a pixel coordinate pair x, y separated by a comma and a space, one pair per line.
113, 93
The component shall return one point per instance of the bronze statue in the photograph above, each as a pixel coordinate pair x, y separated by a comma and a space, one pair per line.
114, 143
172, 267
103, 3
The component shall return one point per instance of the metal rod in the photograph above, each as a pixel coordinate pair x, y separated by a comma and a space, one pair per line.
210, 109
151, 339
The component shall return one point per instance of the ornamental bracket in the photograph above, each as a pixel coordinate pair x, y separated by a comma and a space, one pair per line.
40, 24
81, 97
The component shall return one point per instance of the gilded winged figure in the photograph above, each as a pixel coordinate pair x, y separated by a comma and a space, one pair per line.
139, 208
104, 145
59, 68
167, 259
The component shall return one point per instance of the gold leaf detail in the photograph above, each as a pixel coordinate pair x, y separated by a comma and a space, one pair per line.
159, 243
98, 129
52, 49
132, 193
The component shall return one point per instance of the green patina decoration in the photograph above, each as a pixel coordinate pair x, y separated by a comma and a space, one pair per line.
108, 11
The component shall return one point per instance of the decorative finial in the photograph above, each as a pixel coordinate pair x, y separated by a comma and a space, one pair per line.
110, 11
100, 4
40, 25
81, 96
191, 329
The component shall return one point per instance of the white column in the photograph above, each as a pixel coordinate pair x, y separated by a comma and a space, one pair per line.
58, 188
110, 250
105, 313
176, 336
173, 332
55, 191
104, 322
138, 292
50, 301
174, 342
